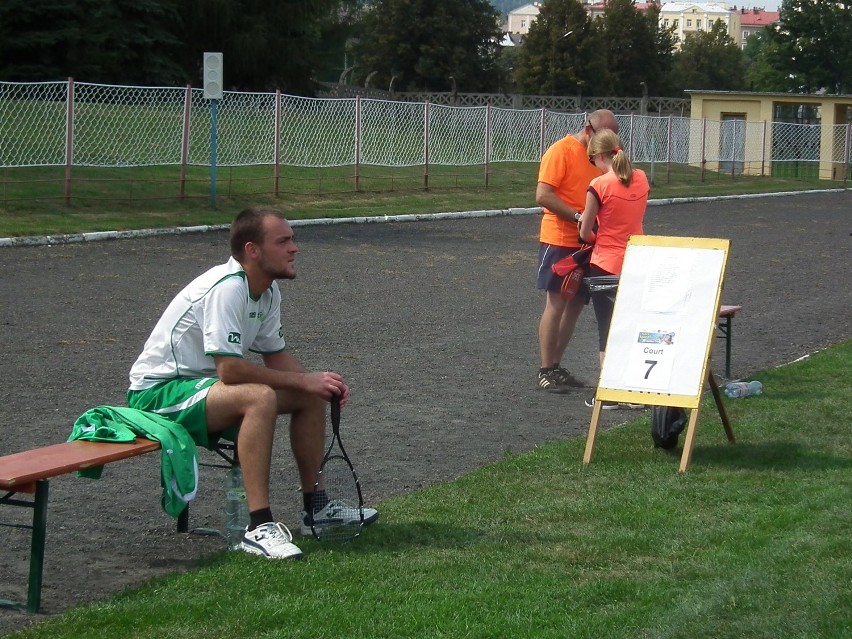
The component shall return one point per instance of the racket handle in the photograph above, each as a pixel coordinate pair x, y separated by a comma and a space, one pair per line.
335, 409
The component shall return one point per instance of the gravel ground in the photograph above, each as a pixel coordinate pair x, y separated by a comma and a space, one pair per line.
432, 323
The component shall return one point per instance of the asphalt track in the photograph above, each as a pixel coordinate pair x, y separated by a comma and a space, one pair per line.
433, 324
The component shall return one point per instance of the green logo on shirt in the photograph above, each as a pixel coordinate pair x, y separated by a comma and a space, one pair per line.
234, 338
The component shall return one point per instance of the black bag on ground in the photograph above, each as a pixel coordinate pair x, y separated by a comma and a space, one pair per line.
667, 423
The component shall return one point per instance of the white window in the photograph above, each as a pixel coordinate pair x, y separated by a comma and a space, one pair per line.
675, 23
689, 23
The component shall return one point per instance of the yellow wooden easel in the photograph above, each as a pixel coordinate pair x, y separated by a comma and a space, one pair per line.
673, 284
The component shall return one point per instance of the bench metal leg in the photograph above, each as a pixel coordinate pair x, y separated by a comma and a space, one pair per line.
37, 547
222, 449
37, 542
183, 520
728, 337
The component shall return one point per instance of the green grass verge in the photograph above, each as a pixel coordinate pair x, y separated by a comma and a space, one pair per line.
752, 541
32, 201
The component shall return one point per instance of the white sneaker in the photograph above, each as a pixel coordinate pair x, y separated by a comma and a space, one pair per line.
336, 513
614, 405
272, 540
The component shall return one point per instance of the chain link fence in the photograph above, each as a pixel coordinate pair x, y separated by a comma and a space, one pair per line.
75, 125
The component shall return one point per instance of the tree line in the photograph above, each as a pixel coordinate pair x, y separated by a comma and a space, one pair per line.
418, 45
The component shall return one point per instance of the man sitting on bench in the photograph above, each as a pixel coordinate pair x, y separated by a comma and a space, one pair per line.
193, 370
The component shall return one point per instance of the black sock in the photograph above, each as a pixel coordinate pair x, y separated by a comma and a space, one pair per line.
259, 517
555, 366
314, 501
544, 370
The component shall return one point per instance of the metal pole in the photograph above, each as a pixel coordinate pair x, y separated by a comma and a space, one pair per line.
357, 142
69, 140
184, 145
487, 141
214, 113
632, 135
669, 151
426, 147
277, 170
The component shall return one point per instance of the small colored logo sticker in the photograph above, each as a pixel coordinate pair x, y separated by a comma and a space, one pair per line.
656, 337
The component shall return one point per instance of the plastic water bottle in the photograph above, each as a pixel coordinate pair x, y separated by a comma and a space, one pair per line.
743, 389
236, 508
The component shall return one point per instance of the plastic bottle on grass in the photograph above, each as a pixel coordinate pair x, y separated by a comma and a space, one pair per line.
236, 508
743, 389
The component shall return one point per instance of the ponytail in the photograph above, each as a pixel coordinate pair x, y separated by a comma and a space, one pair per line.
605, 141
621, 166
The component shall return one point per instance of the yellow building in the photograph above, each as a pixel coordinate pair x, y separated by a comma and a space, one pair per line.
521, 18
757, 133
691, 17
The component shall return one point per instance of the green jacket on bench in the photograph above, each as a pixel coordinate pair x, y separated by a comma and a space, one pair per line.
178, 460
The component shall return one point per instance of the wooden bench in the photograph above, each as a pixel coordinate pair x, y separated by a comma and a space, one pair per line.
28, 473
726, 316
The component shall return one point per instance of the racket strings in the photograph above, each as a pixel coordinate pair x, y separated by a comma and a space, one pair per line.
342, 517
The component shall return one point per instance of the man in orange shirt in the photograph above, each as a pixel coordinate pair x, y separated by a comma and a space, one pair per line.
563, 178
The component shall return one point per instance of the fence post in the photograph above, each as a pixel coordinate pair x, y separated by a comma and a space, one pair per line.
277, 170
541, 131
848, 150
487, 141
763, 151
357, 143
632, 135
69, 139
703, 139
214, 150
184, 145
426, 146
669, 151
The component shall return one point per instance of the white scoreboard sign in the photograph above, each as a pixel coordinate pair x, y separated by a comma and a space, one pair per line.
664, 320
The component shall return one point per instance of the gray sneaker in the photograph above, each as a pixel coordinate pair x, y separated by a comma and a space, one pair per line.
566, 379
547, 382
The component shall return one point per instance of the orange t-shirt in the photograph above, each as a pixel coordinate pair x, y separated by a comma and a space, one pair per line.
622, 209
565, 166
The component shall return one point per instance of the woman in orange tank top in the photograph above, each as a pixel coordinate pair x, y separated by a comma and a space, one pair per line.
616, 201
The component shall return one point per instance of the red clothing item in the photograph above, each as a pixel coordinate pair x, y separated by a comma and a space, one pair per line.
622, 209
565, 166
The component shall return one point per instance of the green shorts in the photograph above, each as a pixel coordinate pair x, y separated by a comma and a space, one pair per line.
181, 400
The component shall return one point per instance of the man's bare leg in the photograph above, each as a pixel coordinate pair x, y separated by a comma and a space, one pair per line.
252, 407
567, 324
549, 328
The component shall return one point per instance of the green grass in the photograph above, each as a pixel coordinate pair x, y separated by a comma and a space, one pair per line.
752, 541
32, 201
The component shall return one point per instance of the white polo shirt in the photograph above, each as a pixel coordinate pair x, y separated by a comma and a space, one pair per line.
214, 315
